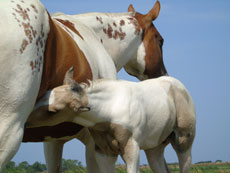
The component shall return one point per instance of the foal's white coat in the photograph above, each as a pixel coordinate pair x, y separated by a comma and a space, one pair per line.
148, 112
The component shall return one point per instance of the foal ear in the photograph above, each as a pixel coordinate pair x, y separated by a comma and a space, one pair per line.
154, 12
68, 79
131, 9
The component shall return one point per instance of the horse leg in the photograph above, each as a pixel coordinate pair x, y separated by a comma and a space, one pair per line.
182, 144
156, 160
106, 163
184, 131
131, 154
53, 155
85, 137
185, 160
11, 133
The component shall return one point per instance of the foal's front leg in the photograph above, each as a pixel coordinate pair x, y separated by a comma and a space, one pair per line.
130, 154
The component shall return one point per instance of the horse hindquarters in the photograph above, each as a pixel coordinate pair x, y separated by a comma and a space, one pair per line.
183, 134
24, 29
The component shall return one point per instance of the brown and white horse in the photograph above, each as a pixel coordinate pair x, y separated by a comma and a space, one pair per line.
37, 50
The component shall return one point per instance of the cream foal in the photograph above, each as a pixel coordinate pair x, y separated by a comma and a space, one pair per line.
124, 117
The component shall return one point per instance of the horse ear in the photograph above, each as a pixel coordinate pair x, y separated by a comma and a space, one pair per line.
68, 79
131, 9
154, 12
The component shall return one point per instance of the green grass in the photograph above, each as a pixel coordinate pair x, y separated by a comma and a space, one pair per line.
73, 166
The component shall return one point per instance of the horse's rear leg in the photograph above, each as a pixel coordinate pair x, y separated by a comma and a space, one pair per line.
11, 133
182, 144
156, 159
185, 160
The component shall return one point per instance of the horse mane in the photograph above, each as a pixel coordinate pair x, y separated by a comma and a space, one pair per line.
131, 14
57, 14
106, 14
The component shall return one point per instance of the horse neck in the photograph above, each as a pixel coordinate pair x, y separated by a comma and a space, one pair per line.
100, 97
117, 32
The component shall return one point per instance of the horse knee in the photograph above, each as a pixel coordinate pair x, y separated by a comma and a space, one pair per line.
182, 141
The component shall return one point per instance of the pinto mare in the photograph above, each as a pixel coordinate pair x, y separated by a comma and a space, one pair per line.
131, 40
124, 117
35, 53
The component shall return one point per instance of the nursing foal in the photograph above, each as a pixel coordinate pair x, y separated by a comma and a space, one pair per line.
124, 117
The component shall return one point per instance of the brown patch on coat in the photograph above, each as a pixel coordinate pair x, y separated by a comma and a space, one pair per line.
114, 33
110, 138
34, 8
134, 22
122, 22
25, 23
22, 12
99, 19
114, 24
36, 65
71, 26
61, 53
24, 45
110, 31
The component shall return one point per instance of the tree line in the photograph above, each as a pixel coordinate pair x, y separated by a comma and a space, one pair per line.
70, 166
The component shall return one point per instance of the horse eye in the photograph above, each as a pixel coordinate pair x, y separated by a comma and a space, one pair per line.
162, 42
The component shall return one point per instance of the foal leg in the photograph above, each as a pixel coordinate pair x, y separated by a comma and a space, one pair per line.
53, 155
182, 140
185, 160
156, 159
131, 155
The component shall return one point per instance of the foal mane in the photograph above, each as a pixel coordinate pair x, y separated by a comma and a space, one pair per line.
96, 85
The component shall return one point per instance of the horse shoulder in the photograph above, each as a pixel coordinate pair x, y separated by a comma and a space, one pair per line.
100, 62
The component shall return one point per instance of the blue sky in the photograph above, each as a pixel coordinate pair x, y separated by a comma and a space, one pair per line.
196, 51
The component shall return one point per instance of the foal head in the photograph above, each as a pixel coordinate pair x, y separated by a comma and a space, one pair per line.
149, 61
58, 105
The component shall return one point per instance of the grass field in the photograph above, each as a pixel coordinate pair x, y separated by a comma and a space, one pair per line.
73, 166
196, 168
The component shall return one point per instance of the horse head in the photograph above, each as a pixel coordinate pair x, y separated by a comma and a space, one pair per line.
148, 62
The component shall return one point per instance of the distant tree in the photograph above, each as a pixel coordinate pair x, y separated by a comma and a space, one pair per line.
38, 167
10, 165
69, 164
23, 165
218, 161
10, 168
